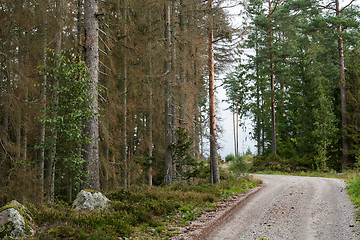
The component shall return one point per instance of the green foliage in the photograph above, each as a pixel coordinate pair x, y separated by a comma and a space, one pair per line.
6, 229
230, 157
276, 163
306, 72
238, 165
135, 210
69, 109
186, 165
354, 192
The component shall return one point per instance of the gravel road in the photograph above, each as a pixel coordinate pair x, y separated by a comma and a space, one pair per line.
290, 207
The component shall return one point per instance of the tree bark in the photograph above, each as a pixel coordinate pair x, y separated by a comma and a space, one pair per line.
345, 146
234, 128
150, 129
124, 102
92, 125
18, 136
54, 135
237, 129
168, 97
42, 131
26, 126
215, 176
151, 102
271, 56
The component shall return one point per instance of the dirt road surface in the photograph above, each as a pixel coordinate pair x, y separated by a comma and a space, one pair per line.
283, 208
291, 207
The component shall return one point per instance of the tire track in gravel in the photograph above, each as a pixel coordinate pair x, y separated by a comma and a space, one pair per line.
286, 207
291, 207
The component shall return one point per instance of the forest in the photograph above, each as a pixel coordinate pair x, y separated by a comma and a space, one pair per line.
118, 93
297, 81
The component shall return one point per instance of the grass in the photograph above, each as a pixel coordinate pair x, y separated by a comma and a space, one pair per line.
139, 212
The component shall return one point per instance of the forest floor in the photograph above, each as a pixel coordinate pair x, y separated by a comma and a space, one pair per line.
284, 207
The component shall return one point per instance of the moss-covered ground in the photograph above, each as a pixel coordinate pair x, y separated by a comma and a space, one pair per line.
140, 212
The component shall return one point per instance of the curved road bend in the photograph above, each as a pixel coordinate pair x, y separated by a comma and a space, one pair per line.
291, 207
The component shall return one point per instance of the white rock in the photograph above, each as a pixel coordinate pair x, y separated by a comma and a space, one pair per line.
88, 200
12, 222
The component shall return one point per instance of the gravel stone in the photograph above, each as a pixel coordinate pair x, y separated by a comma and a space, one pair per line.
288, 207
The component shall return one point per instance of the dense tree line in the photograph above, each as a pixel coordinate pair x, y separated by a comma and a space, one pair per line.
104, 86
297, 80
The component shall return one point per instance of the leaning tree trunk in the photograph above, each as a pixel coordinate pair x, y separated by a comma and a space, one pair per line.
91, 154
214, 166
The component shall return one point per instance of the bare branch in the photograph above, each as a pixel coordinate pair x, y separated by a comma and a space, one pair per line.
347, 5
327, 6
102, 73
6, 151
104, 43
103, 52
104, 65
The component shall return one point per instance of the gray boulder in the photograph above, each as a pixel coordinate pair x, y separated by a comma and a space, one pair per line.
15, 221
89, 200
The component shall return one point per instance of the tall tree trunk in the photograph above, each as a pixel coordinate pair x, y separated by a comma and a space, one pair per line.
237, 129
5, 129
54, 135
345, 145
234, 128
26, 118
182, 67
215, 176
150, 129
80, 28
197, 123
18, 136
151, 102
168, 96
258, 101
42, 132
124, 102
273, 129
92, 125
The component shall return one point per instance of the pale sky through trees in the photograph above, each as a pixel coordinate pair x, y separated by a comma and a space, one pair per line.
226, 139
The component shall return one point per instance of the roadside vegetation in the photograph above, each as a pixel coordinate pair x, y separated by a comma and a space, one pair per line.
141, 211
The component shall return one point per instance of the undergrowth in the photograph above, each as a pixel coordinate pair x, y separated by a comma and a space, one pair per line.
140, 211
354, 193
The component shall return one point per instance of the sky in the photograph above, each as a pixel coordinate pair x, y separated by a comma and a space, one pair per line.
226, 139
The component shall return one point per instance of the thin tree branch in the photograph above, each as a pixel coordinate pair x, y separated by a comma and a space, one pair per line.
327, 6
347, 5
6, 151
